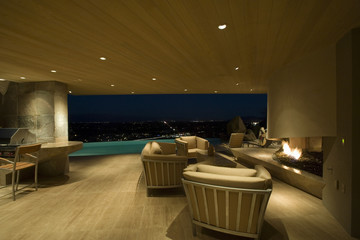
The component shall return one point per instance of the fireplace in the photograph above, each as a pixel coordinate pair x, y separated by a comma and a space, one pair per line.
302, 153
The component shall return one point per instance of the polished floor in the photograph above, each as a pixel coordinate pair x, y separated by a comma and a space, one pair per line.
104, 197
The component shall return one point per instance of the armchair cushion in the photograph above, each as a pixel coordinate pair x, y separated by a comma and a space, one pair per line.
191, 140
226, 181
240, 172
167, 148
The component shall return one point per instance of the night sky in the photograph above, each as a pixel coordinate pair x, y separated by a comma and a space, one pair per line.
180, 107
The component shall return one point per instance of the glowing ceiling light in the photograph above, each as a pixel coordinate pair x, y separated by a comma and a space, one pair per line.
1, 79
236, 68
154, 79
22, 77
53, 71
251, 89
70, 91
112, 85
222, 26
132, 92
215, 91
103, 58
237, 84
185, 90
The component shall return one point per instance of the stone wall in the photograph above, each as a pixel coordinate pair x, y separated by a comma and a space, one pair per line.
39, 106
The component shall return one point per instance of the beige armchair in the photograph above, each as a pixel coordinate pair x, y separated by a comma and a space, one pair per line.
230, 200
162, 167
189, 146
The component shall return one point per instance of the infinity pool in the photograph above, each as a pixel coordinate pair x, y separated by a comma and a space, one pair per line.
121, 147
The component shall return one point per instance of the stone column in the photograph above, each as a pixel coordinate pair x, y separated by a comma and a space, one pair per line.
40, 107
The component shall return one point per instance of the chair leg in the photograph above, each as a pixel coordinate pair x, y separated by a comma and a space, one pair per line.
193, 229
36, 177
17, 179
13, 184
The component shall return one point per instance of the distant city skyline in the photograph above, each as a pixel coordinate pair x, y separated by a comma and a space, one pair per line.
177, 107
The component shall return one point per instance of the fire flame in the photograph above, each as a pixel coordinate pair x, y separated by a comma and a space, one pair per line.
294, 153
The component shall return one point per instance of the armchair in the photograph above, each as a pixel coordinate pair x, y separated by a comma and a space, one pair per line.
162, 167
189, 146
227, 199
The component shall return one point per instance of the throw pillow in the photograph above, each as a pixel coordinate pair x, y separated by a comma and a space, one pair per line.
191, 140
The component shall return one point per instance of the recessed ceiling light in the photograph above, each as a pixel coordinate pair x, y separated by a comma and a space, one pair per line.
103, 58
251, 89
222, 26
236, 68
215, 91
53, 71
154, 79
185, 90
70, 91
112, 85
132, 92
22, 77
237, 84
1, 79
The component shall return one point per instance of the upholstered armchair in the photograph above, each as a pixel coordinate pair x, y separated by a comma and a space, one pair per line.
162, 167
189, 146
230, 200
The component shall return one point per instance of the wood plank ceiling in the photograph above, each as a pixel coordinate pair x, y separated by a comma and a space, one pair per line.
175, 41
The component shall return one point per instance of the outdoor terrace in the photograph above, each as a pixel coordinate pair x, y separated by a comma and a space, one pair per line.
104, 197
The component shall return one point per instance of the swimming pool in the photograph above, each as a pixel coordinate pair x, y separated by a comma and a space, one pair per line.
121, 147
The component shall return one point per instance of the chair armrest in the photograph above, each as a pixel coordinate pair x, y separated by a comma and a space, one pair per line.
181, 147
202, 143
6, 160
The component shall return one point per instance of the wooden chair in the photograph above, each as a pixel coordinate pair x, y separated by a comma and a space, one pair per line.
14, 166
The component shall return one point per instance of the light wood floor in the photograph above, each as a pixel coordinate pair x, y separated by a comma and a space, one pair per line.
105, 198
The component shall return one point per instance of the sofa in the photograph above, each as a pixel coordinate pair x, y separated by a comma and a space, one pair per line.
230, 200
190, 146
162, 167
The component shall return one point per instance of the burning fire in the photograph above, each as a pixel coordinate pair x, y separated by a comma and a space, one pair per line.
294, 153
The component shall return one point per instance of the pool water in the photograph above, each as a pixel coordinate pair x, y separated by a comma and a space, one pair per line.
121, 147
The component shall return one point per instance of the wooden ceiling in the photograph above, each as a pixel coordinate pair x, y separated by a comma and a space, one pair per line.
175, 41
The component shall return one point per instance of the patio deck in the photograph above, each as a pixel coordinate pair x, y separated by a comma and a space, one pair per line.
104, 197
